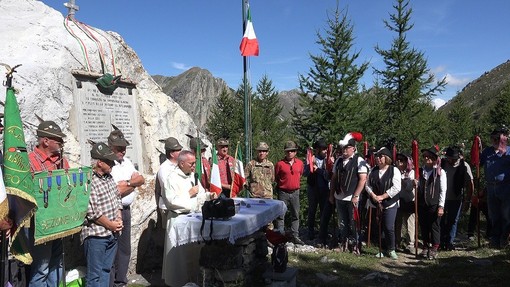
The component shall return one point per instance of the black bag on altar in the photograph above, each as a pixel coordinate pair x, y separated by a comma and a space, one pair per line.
219, 208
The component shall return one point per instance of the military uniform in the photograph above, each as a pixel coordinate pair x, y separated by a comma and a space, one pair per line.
260, 178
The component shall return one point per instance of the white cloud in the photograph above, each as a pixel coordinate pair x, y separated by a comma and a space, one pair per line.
437, 102
180, 66
456, 81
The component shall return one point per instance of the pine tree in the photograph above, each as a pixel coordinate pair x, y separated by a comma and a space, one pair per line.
226, 120
268, 125
407, 84
324, 109
500, 114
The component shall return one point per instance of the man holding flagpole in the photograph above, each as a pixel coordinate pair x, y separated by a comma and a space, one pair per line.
225, 165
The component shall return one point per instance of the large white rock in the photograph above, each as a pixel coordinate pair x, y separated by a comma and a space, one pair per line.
33, 34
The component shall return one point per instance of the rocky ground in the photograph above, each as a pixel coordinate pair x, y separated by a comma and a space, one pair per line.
387, 270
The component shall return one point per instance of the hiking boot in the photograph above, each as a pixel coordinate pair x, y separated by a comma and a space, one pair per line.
433, 254
355, 250
450, 247
424, 253
298, 241
321, 244
393, 255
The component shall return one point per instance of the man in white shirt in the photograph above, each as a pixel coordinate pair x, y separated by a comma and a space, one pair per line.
127, 179
172, 150
181, 195
347, 182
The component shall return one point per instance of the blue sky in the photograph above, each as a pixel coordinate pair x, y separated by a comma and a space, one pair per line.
461, 39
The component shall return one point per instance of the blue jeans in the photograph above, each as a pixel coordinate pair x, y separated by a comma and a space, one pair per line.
388, 227
46, 268
498, 202
99, 252
449, 221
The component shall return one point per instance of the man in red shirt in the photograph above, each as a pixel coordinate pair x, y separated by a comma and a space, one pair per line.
226, 166
288, 173
46, 268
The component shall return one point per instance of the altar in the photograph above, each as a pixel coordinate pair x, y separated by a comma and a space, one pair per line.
235, 247
252, 216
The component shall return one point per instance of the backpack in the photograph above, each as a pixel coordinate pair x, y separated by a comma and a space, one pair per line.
279, 258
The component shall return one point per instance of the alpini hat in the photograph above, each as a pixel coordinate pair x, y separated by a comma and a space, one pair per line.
102, 152
350, 139
171, 143
290, 145
222, 142
116, 138
193, 144
262, 146
49, 129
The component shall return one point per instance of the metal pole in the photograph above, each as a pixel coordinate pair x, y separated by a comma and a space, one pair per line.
247, 104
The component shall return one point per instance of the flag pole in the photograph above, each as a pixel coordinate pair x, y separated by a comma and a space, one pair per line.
235, 163
247, 104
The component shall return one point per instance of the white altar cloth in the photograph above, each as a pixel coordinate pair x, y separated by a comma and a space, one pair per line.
253, 214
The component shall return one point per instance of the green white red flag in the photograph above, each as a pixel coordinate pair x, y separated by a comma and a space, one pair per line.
215, 173
249, 44
239, 178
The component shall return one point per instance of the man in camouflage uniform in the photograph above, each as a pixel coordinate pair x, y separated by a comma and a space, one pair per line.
260, 174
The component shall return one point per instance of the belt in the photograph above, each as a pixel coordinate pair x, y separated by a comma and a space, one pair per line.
287, 190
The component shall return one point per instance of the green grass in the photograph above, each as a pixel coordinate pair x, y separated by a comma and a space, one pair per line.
471, 267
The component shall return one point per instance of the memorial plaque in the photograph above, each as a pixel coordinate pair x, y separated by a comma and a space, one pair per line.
95, 113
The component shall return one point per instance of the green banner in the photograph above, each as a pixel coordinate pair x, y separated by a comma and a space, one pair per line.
17, 176
62, 197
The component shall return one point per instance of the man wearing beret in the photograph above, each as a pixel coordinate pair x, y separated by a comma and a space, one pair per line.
127, 179
172, 149
288, 172
259, 173
206, 166
225, 165
46, 268
496, 162
104, 218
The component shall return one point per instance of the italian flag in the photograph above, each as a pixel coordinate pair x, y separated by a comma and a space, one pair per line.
249, 45
239, 177
215, 174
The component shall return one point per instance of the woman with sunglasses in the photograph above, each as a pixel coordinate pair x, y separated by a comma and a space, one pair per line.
383, 187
